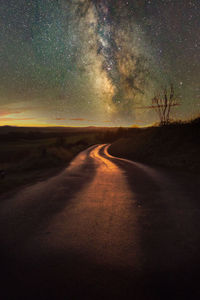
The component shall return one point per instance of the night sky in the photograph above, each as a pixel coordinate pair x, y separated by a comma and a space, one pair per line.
89, 62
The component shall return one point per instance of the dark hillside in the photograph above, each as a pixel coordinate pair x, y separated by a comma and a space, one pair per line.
176, 146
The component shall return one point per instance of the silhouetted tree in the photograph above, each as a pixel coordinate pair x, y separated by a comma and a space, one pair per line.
162, 104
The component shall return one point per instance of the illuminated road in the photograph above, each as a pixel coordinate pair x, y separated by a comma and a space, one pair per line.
105, 228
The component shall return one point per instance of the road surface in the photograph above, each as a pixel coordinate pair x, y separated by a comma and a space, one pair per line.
104, 228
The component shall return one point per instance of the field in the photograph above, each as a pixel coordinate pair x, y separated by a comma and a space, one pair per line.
32, 154
175, 146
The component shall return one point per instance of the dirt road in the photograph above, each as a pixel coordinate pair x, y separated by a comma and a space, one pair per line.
104, 228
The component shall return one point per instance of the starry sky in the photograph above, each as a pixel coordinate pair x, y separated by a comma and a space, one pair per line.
97, 62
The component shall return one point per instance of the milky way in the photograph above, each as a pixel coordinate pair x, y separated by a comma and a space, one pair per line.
89, 62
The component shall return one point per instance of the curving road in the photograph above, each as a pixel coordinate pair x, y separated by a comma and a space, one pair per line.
104, 228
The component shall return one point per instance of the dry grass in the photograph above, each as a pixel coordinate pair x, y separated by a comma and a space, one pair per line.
26, 160
175, 146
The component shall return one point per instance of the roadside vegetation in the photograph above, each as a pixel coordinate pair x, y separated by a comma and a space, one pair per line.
176, 145
28, 155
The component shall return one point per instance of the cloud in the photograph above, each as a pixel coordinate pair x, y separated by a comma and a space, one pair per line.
9, 112
15, 119
60, 119
78, 119
81, 119
8, 115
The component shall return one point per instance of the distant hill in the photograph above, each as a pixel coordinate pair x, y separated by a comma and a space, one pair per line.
7, 129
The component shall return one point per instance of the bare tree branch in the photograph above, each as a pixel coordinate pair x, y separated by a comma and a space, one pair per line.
163, 104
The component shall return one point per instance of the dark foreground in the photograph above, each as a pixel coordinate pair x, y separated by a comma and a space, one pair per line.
105, 228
